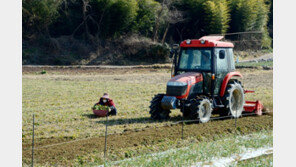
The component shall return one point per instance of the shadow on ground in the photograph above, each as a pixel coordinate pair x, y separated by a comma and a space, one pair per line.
145, 120
122, 121
90, 116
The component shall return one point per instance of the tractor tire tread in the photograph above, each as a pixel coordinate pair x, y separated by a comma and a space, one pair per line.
156, 111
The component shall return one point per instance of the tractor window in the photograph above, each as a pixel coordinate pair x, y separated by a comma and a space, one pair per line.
195, 59
222, 63
229, 53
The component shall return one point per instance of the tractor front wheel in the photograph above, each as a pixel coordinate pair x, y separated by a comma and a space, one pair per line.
204, 110
156, 111
199, 109
234, 99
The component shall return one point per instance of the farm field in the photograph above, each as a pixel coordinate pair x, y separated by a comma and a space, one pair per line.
61, 100
210, 153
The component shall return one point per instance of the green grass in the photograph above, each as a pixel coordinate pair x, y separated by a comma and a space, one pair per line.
261, 81
254, 64
62, 103
204, 152
262, 161
62, 106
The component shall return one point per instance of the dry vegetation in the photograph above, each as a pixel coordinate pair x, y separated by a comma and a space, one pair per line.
62, 101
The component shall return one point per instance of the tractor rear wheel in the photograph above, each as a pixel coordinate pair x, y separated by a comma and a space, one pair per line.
234, 99
204, 110
156, 111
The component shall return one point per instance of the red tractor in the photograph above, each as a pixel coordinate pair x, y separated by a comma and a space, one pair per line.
203, 81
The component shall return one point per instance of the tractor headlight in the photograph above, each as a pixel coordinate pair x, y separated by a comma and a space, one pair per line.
188, 41
202, 41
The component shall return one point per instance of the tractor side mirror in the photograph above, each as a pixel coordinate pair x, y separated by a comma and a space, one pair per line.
176, 46
172, 53
221, 54
174, 50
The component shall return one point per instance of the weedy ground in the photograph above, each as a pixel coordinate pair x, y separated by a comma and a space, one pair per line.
62, 99
254, 64
206, 153
262, 161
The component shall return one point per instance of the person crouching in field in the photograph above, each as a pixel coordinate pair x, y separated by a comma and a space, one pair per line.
106, 101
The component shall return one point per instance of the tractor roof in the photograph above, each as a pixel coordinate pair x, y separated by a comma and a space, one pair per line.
206, 41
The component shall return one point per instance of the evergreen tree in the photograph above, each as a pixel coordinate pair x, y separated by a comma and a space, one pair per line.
146, 16
250, 15
216, 14
38, 15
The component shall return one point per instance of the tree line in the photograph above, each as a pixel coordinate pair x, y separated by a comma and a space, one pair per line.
162, 21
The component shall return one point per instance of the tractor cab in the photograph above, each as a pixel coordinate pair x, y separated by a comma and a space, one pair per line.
210, 57
203, 80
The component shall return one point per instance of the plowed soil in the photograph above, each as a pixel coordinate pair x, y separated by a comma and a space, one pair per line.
60, 154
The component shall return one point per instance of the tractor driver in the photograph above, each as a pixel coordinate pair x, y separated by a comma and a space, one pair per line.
106, 101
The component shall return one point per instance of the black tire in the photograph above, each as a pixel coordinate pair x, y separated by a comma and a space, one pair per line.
224, 112
233, 100
190, 112
156, 111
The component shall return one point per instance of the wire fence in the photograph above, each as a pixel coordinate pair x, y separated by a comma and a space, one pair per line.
182, 122
242, 41
249, 40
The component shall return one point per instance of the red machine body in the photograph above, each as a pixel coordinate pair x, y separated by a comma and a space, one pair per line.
207, 42
226, 79
190, 78
203, 80
253, 106
193, 77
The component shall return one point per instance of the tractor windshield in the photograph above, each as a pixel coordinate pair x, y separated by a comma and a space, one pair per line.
195, 59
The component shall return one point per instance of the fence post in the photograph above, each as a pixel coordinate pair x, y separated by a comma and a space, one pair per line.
106, 133
33, 140
235, 120
183, 109
182, 130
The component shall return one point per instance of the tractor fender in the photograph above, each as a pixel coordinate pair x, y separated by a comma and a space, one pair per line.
226, 79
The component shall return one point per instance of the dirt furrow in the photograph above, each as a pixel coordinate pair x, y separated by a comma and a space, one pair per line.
59, 154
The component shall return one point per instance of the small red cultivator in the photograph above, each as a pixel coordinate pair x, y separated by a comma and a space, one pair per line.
203, 81
253, 106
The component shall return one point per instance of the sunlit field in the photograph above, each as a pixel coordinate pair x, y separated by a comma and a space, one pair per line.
62, 101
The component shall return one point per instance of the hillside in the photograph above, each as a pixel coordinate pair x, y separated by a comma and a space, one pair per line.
128, 32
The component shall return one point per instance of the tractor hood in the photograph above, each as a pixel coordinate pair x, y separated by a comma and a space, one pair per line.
180, 85
188, 78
